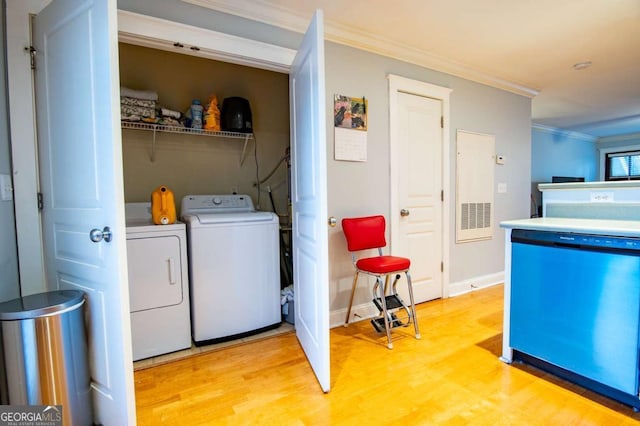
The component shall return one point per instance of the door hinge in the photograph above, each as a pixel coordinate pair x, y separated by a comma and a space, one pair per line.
442, 121
32, 54
40, 201
442, 195
441, 266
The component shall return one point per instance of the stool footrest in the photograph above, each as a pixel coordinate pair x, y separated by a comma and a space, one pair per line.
378, 323
392, 302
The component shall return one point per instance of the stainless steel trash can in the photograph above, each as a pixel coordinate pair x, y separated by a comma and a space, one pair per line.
44, 354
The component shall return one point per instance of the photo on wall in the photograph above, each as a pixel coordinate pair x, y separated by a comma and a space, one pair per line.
350, 113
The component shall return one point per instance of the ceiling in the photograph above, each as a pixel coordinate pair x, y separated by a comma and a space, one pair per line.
524, 46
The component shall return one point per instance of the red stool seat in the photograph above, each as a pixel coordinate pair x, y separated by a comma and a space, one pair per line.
383, 264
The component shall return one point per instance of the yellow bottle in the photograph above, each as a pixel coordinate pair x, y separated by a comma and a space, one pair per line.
163, 206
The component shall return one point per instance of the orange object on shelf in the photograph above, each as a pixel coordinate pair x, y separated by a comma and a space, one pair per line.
163, 206
212, 115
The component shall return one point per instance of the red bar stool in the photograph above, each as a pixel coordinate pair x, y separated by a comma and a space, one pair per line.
365, 233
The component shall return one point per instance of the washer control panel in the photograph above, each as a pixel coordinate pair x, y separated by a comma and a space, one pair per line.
229, 203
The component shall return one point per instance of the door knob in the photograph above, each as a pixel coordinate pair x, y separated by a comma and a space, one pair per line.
97, 235
332, 222
404, 212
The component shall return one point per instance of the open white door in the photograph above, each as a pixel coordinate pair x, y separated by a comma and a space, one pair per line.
309, 198
78, 115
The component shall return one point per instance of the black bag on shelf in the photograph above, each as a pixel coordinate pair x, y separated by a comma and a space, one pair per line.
235, 115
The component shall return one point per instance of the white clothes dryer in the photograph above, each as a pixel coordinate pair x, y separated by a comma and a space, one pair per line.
233, 267
158, 284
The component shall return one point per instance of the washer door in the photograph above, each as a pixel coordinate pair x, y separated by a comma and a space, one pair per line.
155, 272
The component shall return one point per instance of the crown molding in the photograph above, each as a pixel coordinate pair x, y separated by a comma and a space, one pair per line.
261, 11
258, 10
561, 132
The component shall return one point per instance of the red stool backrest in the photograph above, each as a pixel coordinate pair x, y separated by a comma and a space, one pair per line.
364, 233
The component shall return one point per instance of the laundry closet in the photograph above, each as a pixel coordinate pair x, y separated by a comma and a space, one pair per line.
195, 164
203, 163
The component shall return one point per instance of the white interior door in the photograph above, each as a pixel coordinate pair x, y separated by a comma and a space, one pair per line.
77, 106
418, 213
309, 199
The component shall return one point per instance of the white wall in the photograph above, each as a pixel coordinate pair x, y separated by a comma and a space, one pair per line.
9, 284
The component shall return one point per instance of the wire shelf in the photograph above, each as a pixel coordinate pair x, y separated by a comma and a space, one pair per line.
136, 125
155, 128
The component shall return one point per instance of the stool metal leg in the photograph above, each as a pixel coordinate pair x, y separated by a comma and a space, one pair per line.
413, 305
387, 323
353, 291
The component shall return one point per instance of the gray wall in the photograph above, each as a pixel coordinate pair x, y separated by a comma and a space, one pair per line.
474, 107
351, 72
9, 282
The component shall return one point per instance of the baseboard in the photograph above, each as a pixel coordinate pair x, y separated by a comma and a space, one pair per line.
476, 283
358, 313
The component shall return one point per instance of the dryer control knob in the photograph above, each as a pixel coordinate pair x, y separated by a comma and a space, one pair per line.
217, 201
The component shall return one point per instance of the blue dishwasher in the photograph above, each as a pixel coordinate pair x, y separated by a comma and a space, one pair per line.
575, 304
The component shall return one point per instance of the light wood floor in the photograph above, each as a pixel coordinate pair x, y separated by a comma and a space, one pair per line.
451, 376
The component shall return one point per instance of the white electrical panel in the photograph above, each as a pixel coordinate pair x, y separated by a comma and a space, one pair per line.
475, 165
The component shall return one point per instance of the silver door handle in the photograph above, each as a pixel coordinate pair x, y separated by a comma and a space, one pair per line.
404, 212
97, 235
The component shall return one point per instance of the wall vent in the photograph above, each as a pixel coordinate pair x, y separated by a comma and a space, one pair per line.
475, 215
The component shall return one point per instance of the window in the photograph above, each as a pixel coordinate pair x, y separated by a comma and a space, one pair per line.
622, 166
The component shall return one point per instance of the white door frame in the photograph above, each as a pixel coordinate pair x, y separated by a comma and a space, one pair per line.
132, 28
148, 31
397, 85
24, 152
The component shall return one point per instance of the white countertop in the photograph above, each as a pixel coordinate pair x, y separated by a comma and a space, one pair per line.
627, 184
623, 228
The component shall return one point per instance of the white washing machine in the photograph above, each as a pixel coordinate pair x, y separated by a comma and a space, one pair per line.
158, 284
233, 267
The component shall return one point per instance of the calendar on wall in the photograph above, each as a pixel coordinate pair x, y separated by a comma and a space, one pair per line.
350, 128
